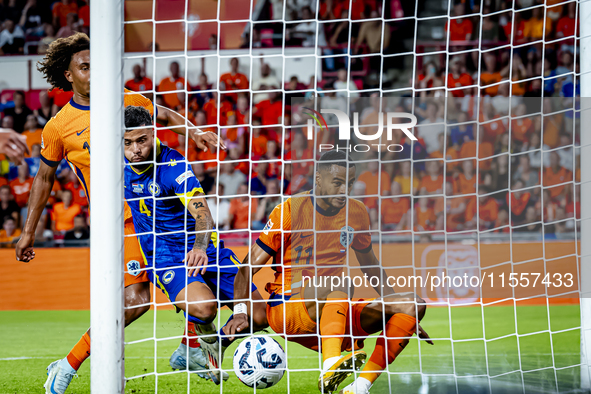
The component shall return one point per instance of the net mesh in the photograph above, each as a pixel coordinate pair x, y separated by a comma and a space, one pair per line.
490, 189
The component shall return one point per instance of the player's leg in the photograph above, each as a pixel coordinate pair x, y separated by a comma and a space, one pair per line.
402, 313
333, 326
137, 299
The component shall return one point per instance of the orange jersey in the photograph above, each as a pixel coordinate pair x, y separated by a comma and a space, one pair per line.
21, 190
432, 185
67, 136
464, 185
552, 178
392, 211
314, 238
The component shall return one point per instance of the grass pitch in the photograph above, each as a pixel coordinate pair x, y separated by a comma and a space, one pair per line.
514, 346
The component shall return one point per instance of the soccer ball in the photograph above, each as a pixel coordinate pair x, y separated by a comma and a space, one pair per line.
259, 361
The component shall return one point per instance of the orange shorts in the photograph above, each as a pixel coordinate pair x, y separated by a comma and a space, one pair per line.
300, 328
133, 260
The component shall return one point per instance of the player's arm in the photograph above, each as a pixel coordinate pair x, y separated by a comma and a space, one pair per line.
168, 117
40, 191
256, 258
370, 265
197, 257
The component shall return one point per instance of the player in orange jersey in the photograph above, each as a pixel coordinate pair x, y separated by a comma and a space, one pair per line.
67, 136
298, 234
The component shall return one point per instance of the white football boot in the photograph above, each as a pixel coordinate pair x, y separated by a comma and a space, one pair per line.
59, 376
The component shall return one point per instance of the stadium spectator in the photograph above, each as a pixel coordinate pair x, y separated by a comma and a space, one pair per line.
44, 112
21, 185
535, 28
332, 101
84, 15
233, 136
219, 208
267, 204
404, 179
8, 122
488, 210
241, 209
78, 192
455, 209
567, 24
430, 128
10, 231
230, 178
32, 131
63, 213
429, 77
259, 179
8, 207
535, 151
12, 39
211, 110
306, 31
518, 74
395, 211
49, 32
566, 150
269, 111
347, 88
466, 181
458, 78
171, 83
518, 201
33, 17
233, 80
555, 175
242, 110
370, 35
532, 218
463, 131
79, 232
72, 26
60, 98
61, 10
140, 82
264, 81
19, 112
376, 180
34, 161
206, 180
432, 181
460, 29
490, 75
490, 26
424, 216
525, 173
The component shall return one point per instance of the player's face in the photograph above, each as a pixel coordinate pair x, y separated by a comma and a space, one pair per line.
139, 145
79, 73
336, 181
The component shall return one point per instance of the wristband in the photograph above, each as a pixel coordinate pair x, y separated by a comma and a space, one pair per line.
240, 308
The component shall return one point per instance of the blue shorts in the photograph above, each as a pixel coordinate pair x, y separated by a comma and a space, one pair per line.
219, 277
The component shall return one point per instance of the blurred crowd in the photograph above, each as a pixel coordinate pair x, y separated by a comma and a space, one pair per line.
507, 160
28, 27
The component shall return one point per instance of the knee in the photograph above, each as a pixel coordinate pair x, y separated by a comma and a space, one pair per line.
204, 311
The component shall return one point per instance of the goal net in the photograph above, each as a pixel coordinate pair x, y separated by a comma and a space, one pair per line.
472, 183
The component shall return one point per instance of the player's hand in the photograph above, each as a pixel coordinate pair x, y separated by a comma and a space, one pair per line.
238, 324
196, 258
13, 145
24, 248
423, 335
202, 138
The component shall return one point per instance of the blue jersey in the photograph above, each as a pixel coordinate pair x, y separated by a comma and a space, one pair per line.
161, 192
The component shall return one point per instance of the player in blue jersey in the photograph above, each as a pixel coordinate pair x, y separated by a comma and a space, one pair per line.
184, 256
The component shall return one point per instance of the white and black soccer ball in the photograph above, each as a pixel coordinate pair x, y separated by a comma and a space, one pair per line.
259, 361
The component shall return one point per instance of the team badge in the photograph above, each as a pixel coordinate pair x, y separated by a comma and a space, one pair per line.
154, 188
346, 236
133, 267
168, 277
138, 188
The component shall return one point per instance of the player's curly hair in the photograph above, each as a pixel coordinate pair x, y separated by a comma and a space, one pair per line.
58, 57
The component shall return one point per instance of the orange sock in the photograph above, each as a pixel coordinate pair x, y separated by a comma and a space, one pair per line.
80, 352
191, 340
399, 325
333, 322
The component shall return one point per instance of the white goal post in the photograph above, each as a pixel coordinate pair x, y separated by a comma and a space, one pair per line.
106, 202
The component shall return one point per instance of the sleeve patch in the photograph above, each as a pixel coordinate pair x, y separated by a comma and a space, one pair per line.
184, 176
268, 226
